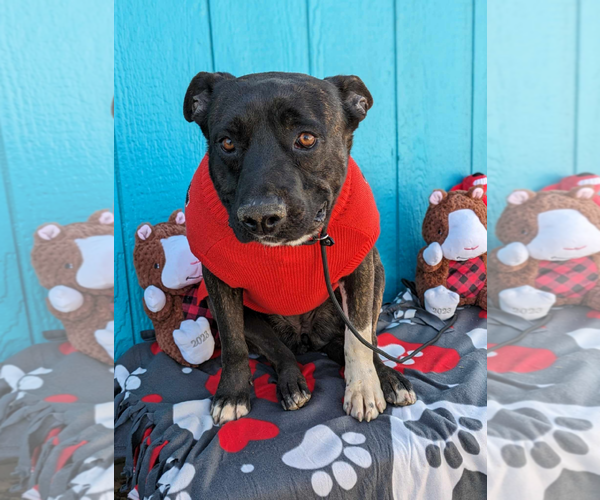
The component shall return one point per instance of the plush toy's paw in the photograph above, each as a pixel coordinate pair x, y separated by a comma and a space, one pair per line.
195, 340
513, 254
106, 338
65, 299
526, 302
441, 302
292, 389
154, 298
433, 254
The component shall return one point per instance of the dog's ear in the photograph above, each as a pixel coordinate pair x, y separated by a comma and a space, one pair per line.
198, 95
356, 98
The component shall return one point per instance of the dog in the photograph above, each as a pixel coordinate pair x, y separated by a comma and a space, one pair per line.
278, 159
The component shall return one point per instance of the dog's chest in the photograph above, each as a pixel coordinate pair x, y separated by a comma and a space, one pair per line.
310, 331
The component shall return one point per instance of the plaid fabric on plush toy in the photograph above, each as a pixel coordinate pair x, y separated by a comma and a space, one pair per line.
466, 278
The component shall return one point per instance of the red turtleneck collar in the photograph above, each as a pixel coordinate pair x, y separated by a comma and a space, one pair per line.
281, 280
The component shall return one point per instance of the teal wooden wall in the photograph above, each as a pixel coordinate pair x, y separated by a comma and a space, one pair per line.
56, 141
543, 95
424, 63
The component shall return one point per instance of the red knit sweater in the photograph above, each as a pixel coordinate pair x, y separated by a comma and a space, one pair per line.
281, 280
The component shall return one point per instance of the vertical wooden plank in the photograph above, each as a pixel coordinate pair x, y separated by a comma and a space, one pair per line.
368, 51
531, 97
124, 336
257, 36
434, 62
159, 47
57, 85
479, 134
588, 123
15, 333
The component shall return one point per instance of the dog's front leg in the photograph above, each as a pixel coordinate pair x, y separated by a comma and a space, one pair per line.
364, 397
232, 399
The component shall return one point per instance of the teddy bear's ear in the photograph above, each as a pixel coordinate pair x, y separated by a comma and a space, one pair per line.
48, 232
583, 192
105, 217
476, 192
178, 217
144, 232
520, 196
437, 196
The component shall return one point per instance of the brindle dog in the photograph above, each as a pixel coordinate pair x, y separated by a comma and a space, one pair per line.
278, 146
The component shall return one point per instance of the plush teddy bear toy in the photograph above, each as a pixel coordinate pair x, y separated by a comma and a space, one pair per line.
169, 273
451, 270
76, 263
551, 255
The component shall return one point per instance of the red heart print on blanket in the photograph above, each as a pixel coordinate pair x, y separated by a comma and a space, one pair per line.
519, 359
67, 348
234, 436
431, 359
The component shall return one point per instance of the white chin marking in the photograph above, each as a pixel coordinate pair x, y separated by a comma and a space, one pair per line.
293, 243
97, 269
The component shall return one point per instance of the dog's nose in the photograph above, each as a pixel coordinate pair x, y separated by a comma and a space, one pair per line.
262, 216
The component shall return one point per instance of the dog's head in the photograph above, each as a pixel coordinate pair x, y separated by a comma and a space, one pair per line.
278, 146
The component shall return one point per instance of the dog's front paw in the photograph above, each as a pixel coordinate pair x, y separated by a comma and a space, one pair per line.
227, 406
396, 388
292, 389
364, 397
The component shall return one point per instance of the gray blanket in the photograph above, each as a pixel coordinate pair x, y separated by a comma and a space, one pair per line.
544, 406
434, 450
56, 425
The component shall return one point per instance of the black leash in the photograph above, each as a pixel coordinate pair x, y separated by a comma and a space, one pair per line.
326, 241
544, 321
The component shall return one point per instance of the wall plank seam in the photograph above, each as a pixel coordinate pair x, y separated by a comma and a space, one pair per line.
473, 48
16, 240
308, 38
397, 139
210, 35
121, 229
576, 84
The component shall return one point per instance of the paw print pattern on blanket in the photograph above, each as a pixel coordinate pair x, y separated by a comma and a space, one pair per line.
439, 425
528, 424
322, 447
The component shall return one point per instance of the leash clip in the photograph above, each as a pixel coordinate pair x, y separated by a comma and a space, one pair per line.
325, 240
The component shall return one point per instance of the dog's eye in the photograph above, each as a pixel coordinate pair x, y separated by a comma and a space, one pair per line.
68, 265
156, 266
227, 145
305, 140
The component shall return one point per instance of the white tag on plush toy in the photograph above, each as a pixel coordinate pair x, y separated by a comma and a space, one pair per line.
441, 302
195, 340
526, 302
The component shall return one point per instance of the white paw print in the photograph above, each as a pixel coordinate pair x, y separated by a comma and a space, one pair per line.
175, 480
20, 381
319, 448
128, 381
398, 351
